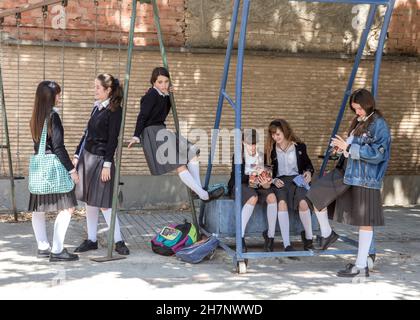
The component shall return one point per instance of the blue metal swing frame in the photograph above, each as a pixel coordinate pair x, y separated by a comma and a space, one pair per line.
238, 255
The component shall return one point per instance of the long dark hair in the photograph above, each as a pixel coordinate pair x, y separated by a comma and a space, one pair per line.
159, 71
117, 93
366, 100
283, 126
45, 97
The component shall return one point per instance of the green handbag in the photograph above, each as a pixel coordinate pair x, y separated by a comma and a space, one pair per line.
47, 175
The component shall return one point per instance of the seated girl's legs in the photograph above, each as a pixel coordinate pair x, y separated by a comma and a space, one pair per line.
271, 214
324, 224
107, 215
305, 217
365, 241
194, 168
188, 179
284, 222
247, 211
60, 228
40, 230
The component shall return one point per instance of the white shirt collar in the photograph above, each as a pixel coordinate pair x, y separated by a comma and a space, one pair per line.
161, 93
102, 104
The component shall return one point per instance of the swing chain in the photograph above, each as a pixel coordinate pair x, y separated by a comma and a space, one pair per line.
96, 3
44, 19
18, 25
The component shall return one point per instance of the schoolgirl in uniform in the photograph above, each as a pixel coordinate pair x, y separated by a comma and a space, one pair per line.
164, 150
352, 190
47, 96
252, 161
289, 158
94, 159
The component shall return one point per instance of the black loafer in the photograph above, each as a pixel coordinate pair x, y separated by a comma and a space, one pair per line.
215, 194
87, 245
352, 271
291, 249
307, 244
328, 241
63, 256
121, 248
43, 253
268, 242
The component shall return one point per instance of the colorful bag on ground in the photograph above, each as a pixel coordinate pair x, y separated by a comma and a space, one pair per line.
173, 238
199, 250
47, 175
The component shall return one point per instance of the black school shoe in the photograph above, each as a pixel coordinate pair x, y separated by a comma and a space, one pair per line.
87, 245
328, 241
352, 271
43, 253
121, 248
215, 194
63, 256
268, 242
291, 249
307, 244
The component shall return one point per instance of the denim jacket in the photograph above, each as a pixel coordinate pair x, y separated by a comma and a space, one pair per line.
369, 156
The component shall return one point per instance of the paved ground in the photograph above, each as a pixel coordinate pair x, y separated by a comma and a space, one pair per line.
145, 275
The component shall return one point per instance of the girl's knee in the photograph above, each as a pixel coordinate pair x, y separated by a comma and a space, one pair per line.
253, 201
303, 205
271, 199
181, 169
282, 205
365, 228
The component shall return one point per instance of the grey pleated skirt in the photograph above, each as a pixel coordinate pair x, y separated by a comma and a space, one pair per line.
352, 205
166, 151
290, 193
90, 188
52, 202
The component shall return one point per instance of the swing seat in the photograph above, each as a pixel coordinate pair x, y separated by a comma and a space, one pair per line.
219, 218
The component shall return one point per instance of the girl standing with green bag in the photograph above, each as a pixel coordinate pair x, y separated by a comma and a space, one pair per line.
48, 136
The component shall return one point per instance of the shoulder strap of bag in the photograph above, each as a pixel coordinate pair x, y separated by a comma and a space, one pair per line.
43, 141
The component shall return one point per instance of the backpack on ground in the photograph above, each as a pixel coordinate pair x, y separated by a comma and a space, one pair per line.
173, 238
199, 251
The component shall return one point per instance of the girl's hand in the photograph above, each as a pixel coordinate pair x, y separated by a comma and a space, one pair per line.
307, 176
132, 142
171, 89
339, 142
264, 182
279, 183
75, 177
106, 174
75, 161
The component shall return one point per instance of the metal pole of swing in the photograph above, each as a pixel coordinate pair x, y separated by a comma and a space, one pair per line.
7, 140
171, 95
120, 139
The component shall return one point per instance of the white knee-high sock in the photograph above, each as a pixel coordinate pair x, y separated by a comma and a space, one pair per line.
305, 217
92, 216
272, 219
60, 228
190, 182
247, 211
40, 230
117, 233
284, 227
324, 224
194, 169
365, 240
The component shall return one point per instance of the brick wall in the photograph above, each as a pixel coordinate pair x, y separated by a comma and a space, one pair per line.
81, 20
274, 24
306, 91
